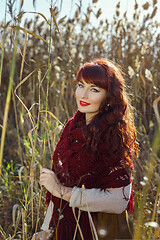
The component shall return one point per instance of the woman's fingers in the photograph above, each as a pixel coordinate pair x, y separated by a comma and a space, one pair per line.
49, 180
40, 235
36, 236
46, 175
45, 170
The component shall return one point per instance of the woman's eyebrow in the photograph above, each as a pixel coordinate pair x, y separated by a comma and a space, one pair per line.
92, 85
81, 81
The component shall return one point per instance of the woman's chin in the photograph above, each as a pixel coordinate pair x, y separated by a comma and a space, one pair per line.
81, 110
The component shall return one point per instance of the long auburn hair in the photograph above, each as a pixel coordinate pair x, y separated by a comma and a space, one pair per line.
114, 124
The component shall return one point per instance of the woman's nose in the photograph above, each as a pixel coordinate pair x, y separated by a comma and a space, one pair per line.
85, 94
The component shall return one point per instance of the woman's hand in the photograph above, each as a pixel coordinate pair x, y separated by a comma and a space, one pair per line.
40, 235
49, 180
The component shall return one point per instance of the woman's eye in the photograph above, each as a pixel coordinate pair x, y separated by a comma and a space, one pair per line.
94, 90
80, 85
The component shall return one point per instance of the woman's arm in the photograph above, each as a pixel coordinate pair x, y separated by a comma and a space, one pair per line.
112, 200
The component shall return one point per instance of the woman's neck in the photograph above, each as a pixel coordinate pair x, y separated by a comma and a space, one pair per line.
89, 117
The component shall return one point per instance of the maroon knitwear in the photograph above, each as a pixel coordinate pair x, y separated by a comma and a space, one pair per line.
75, 165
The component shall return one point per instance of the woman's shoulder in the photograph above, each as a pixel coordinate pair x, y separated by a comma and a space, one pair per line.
71, 123
76, 118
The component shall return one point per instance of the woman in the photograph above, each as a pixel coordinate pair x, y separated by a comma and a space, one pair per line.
90, 184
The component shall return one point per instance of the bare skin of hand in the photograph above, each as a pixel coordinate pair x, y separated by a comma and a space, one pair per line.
49, 180
40, 235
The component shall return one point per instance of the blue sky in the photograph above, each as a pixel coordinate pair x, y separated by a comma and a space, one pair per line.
69, 6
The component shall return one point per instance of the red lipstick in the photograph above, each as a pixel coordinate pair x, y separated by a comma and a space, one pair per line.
84, 104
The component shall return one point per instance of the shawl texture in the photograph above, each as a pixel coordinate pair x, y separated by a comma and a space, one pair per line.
75, 165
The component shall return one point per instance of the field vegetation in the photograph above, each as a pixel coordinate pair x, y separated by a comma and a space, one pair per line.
39, 60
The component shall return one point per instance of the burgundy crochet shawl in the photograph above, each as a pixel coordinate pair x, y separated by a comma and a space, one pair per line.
75, 165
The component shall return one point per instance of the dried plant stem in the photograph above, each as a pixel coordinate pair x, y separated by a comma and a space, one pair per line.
8, 98
48, 76
17, 126
23, 56
60, 207
154, 210
150, 170
3, 234
77, 224
2, 46
155, 106
15, 92
77, 219
24, 225
37, 221
141, 212
2, 56
32, 171
92, 226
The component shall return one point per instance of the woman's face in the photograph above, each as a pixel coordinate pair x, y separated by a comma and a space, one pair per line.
89, 98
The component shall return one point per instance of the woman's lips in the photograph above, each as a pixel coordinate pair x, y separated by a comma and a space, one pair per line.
82, 103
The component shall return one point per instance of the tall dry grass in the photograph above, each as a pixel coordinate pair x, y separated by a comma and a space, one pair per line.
38, 65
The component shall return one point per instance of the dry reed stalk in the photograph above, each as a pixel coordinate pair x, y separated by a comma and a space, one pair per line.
141, 211
8, 98
38, 212
25, 210
49, 69
15, 92
33, 147
66, 109
92, 226
155, 106
23, 56
154, 210
30, 186
17, 127
52, 14
32, 180
40, 15
44, 142
19, 93
32, 170
77, 224
149, 174
3, 234
59, 218
48, 79
50, 113
30, 32
77, 219
23, 223
2, 57
17, 220
54, 19
2, 47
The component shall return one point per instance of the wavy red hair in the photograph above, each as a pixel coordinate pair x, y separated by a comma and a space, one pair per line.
114, 122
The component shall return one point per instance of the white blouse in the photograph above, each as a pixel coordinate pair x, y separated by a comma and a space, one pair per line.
111, 200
